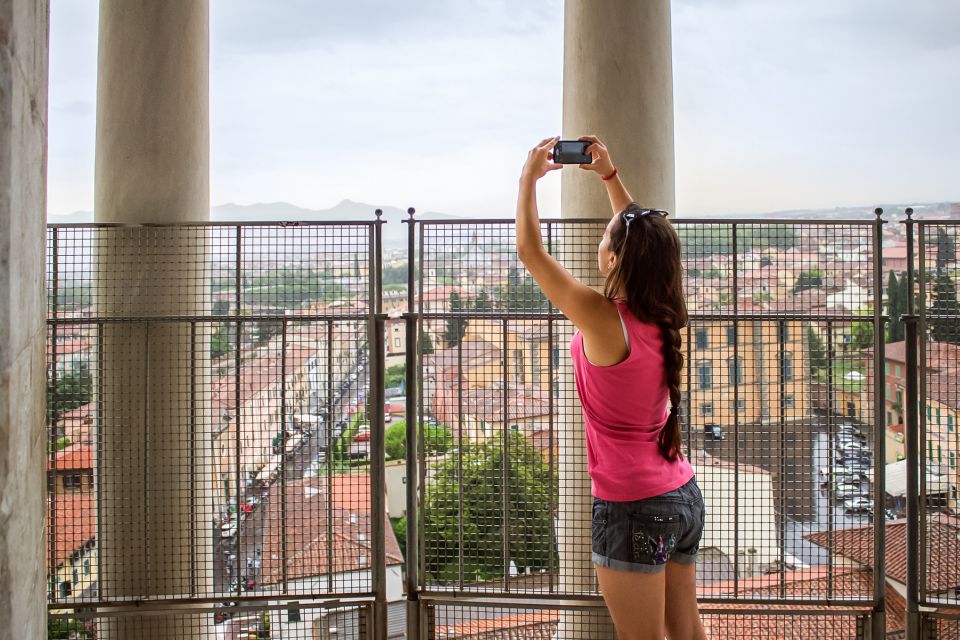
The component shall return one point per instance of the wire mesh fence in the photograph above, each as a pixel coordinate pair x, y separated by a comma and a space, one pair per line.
209, 413
234, 620
939, 410
212, 422
778, 415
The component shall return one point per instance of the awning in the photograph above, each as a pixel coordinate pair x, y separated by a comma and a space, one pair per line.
896, 480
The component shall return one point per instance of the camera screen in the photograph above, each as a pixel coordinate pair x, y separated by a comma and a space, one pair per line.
572, 147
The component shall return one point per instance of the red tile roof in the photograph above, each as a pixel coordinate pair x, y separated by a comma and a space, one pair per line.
310, 541
529, 625
816, 583
72, 519
73, 457
857, 544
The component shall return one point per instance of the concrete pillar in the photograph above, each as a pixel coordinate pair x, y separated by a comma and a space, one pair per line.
618, 85
24, 30
152, 166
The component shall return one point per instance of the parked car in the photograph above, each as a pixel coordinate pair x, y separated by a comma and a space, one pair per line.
848, 490
225, 614
858, 505
228, 529
713, 431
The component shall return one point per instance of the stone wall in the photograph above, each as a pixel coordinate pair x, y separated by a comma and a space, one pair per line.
24, 28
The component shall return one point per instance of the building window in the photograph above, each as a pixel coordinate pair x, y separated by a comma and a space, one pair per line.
72, 481
293, 615
788, 366
788, 401
900, 399
732, 335
889, 418
739, 406
706, 408
886, 368
396, 343
534, 360
86, 566
953, 460
701, 338
705, 374
939, 454
65, 589
950, 423
735, 370
783, 333
896, 370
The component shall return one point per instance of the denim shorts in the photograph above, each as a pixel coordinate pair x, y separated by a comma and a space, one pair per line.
644, 534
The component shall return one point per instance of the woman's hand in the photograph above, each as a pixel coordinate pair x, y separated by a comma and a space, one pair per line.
540, 160
602, 163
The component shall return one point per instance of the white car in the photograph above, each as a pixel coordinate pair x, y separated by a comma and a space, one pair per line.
228, 530
858, 505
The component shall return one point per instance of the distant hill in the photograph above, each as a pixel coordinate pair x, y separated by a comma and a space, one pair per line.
395, 233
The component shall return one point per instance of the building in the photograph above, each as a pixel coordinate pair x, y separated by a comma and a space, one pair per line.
853, 548
72, 522
72, 470
317, 540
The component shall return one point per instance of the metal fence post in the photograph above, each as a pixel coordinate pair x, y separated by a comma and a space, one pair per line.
878, 621
910, 320
376, 346
411, 561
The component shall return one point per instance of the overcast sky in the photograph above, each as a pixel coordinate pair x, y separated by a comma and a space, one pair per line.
433, 103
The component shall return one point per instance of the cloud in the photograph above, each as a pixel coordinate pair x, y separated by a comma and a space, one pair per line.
434, 103
254, 25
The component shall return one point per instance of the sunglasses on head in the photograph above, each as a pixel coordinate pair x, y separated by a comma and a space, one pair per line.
632, 214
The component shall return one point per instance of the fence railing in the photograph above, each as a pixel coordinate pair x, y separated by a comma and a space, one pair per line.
219, 424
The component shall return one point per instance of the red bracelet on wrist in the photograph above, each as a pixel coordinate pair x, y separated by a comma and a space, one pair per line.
615, 172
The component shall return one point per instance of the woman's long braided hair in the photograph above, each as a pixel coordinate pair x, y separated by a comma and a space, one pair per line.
649, 273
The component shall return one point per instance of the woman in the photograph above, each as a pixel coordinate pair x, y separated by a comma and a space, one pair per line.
648, 512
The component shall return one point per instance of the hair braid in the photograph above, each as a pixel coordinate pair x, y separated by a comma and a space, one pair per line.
669, 439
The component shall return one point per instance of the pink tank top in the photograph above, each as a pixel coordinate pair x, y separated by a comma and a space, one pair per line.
624, 407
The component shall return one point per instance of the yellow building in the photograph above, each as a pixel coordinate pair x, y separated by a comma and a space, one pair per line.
751, 371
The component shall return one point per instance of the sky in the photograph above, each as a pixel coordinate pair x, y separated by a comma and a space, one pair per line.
434, 103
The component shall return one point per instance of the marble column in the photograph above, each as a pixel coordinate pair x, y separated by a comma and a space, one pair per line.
24, 32
618, 85
152, 166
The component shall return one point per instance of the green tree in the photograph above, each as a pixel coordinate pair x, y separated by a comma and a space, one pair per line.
400, 531
483, 302
946, 251
944, 315
817, 353
808, 279
60, 629
426, 343
437, 440
861, 332
71, 390
395, 376
456, 327
896, 306
521, 293
479, 473
219, 343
